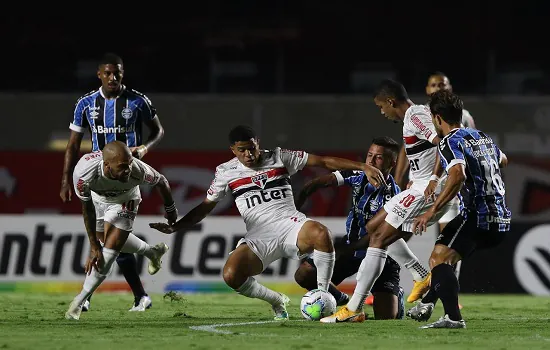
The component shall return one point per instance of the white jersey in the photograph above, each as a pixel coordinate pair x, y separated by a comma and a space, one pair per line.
418, 134
90, 181
262, 194
467, 119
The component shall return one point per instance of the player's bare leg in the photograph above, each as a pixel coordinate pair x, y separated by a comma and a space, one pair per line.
315, 237
385, 306
239, 268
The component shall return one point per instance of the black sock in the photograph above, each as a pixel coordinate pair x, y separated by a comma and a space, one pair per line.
128, 265
446, 286
431, 296
335, 292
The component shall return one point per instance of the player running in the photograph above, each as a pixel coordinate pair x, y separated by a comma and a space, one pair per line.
366, 201
472, 162
259, 181
396, 218
113, 112
107, 184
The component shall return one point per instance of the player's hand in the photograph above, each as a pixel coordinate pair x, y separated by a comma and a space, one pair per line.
420, 223
375, 176
409, 184
162, 227
171, 216
139, 152
65, 193
95, 259
429, 192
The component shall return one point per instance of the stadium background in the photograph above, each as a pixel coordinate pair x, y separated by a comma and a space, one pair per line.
301, 74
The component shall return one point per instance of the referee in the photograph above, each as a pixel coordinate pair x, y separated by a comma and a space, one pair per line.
113, 112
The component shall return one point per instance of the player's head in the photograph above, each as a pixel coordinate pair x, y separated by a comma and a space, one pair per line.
245, 144
438, 81
388, 96
446, 108
117, 161
383, 154
111, 71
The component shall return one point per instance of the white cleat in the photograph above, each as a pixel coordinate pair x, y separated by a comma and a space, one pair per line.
445, 322
86, 306
74, 311
421, 311
144, 303
156, 262
280, 310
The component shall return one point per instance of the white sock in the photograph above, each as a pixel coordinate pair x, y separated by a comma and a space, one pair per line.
369, 271
95, 278
457, 269
324, 262
136, 245
252, 289
403, 255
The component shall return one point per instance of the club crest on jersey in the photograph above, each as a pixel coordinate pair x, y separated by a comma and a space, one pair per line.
260, 180
126, 113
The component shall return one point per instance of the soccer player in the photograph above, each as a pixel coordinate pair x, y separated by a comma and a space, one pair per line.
259, 182
113, 112
396, 218
107, 184
472, 161
366, 201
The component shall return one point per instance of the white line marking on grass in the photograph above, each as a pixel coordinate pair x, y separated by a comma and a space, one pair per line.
213, 328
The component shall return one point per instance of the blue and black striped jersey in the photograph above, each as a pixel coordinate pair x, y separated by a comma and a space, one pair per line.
108, 120
484, 191
367, 200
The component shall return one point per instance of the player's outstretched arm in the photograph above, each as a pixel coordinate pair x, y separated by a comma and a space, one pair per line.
375, 176
401, 168
71, 153
313, 185
163, 189
455, 180
156, 134
503, 162
96, 256
193, 217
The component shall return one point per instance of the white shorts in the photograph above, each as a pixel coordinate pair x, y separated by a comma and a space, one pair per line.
276, 240
121, 216
452, 213
404, 207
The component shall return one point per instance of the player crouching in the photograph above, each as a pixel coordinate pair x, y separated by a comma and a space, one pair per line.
107, 184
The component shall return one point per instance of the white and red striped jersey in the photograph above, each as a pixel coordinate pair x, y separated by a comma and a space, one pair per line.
90, 182
263, 193
418, 134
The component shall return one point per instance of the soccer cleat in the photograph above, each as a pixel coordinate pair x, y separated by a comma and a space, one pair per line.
370, 300
445, 322
142, 304
401, 304
419, 289
156, 262
344, 315
421, 311
73, 313
86, 306
280, 309
344, 299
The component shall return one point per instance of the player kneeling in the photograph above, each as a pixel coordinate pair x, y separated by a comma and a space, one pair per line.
107, 184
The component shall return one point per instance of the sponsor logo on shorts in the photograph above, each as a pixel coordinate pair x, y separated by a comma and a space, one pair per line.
127, 215
399, 212
497, 220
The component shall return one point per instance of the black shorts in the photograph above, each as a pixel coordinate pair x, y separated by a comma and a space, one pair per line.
462, 235
388, 282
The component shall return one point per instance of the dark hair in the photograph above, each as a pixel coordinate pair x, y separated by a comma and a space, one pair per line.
110, 58
447, 105
391, 89
388, 143
241, 133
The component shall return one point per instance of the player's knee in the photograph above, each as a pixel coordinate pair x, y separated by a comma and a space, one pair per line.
232, 277
371, 226
322, 238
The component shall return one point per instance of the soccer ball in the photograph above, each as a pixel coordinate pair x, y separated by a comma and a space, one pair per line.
317, 304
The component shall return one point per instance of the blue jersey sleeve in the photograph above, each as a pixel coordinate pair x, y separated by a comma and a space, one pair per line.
451, 151
349, 177
148, 110
79, 123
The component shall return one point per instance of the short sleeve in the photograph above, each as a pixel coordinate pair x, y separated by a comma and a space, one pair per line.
147, 174
349, 177
83, 174
218, 188
451, 152
422, 126
293, 161
79, 117
149, 112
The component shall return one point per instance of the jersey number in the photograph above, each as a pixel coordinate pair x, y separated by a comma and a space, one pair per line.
414, 164
129, 206
407, 201
492, 177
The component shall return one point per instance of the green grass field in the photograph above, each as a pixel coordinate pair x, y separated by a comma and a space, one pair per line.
36, 321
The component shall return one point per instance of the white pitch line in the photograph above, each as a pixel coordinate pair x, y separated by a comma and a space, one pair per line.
213, 328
